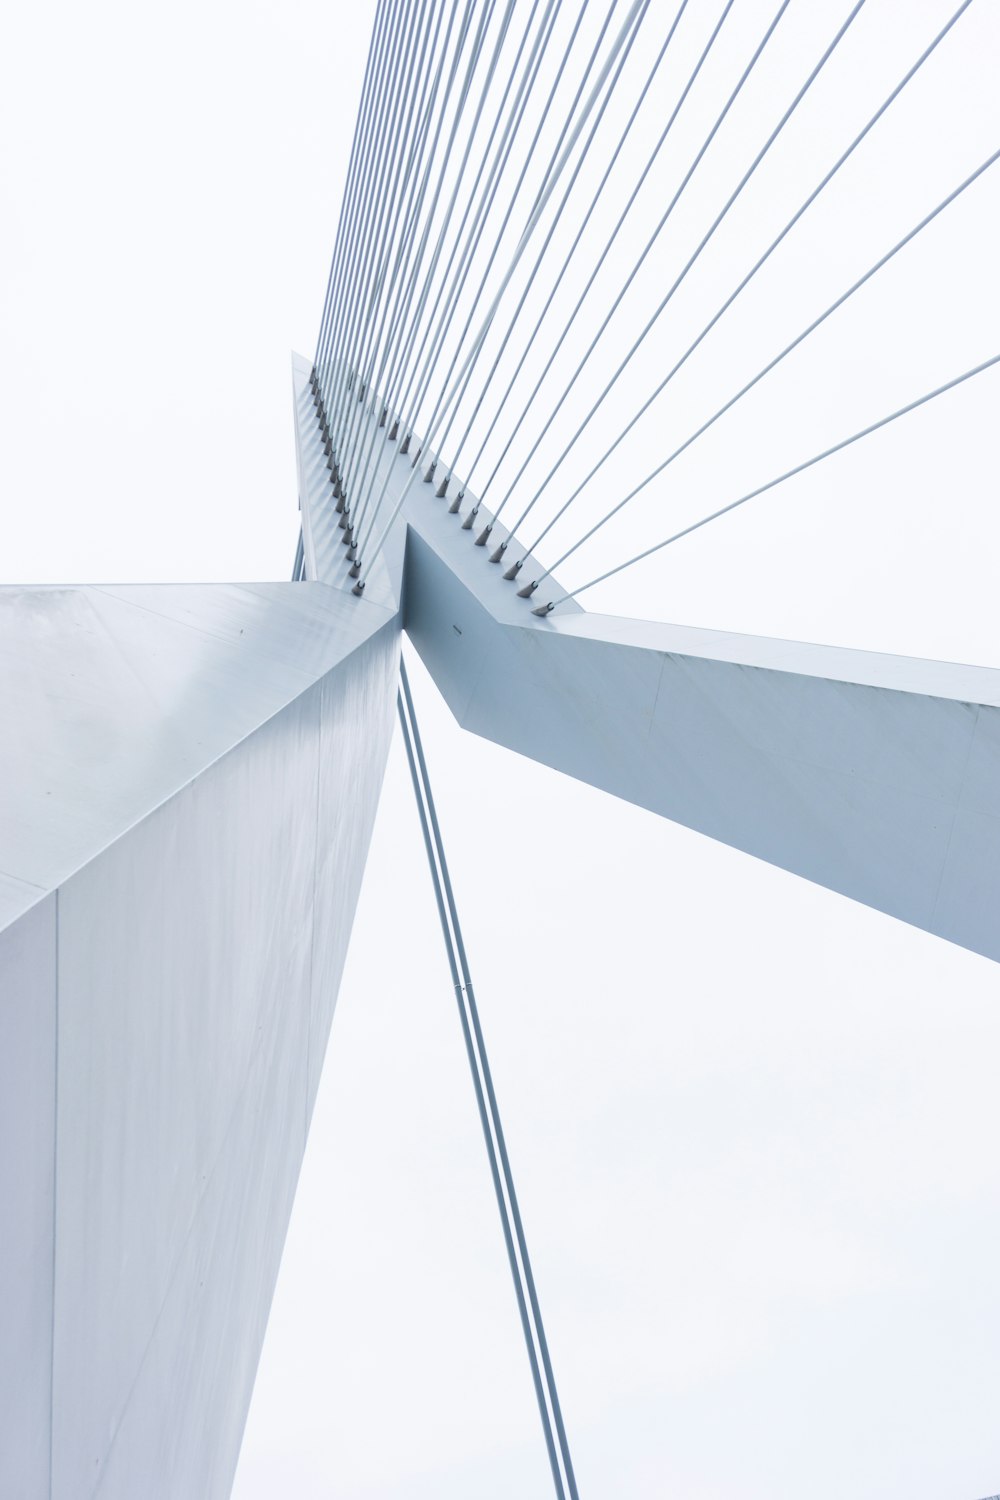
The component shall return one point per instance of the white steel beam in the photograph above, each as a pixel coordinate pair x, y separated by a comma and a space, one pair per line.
875, 776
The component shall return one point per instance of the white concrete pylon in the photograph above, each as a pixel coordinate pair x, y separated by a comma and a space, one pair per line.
187, 793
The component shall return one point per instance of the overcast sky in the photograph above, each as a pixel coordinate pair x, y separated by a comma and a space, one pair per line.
753, 1125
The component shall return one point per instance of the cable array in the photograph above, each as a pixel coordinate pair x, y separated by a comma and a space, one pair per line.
521, 173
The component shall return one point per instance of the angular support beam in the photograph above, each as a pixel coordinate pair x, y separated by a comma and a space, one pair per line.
875, 776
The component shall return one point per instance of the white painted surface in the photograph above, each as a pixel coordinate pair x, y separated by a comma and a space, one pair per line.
27, 1197
875, 776
116, 697
195, 993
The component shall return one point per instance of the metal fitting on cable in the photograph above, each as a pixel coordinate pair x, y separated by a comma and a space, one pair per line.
442, 488
382, 418
496, 555
429, 476
393, 431
484, 535
513, 570
359, 588
348, 536
345, 518
455, 505
404, 446
528, 590
470, 519
354, 570
543, 609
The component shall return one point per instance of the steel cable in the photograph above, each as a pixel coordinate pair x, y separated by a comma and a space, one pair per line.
410, 190
772, 363
529, 343
773, 483
512, 266
408, 409
367, 82
529, 1310
691, 261
481, 395
367, 178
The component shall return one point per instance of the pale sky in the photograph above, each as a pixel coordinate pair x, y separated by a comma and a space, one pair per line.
752, 1124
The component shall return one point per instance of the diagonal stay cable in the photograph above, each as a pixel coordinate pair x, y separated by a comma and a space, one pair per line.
400, 318
503, 139
622, 219
379, 243
356, 197
771, 364
504, 142
473, 136
692, 259
429, 373
720, 118
338, 376
511, 321
533, 336
421, 356
771, 484
503, 1184
779, 238
525, 239
429, 264
371, 68
369, 179
406, 211
375, 227
426, 270
372, 88
553, 226
408, 408
439, 159
371, 176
